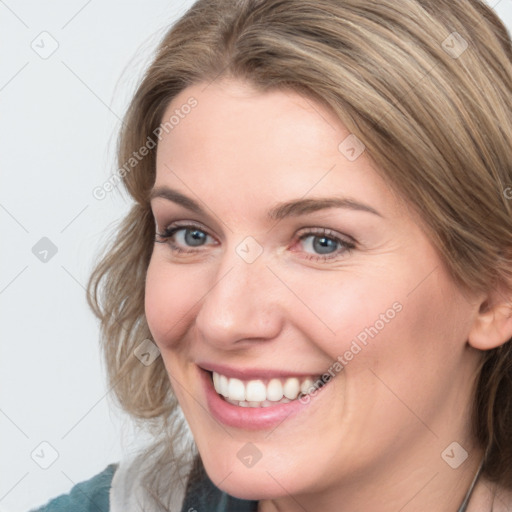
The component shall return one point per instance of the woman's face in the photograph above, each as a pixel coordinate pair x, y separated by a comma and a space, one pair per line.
283, 255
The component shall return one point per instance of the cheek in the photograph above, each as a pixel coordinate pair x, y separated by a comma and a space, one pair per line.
170, 297
383, 320
344, 313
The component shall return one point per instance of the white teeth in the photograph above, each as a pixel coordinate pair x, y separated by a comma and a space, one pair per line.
291, 388
223, 386
307, 386
264, 403
255, 393
274, 390
236, 389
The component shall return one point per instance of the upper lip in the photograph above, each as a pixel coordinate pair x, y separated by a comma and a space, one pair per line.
252, 373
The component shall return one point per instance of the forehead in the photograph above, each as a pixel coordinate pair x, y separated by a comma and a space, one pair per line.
245, 122
239, 143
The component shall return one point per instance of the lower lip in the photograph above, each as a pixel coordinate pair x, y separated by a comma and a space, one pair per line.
250, 418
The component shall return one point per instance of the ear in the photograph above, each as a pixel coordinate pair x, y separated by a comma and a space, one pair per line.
492, 326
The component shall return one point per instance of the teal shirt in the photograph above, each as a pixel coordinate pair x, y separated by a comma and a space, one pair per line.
93, 496
89, 496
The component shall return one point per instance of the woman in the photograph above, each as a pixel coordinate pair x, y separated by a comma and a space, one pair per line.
314, 277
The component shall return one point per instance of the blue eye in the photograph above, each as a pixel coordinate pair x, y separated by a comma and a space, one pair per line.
322, 244
315, 243
184, 238
191, 237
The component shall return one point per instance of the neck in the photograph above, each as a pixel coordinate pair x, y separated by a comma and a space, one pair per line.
406, 486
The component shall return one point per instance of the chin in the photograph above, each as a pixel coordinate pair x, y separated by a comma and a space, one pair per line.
264, 480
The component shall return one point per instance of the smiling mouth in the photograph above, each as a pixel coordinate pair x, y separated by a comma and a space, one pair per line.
265, 392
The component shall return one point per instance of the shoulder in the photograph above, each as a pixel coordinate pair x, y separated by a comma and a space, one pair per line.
89, 496
491, 496
502, 500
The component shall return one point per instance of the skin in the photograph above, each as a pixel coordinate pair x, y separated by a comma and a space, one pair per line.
373, 439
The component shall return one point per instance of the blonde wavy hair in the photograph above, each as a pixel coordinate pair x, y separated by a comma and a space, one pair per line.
437, 121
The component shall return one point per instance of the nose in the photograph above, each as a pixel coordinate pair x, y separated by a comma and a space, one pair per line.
243, 303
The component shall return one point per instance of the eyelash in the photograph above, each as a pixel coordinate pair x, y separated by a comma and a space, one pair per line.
345, 246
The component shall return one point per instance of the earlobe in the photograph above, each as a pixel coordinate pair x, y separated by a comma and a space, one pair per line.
493, 324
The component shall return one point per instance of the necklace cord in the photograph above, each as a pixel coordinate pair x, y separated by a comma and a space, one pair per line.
467, 497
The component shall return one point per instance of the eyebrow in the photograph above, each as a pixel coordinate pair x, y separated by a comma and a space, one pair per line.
294, 207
